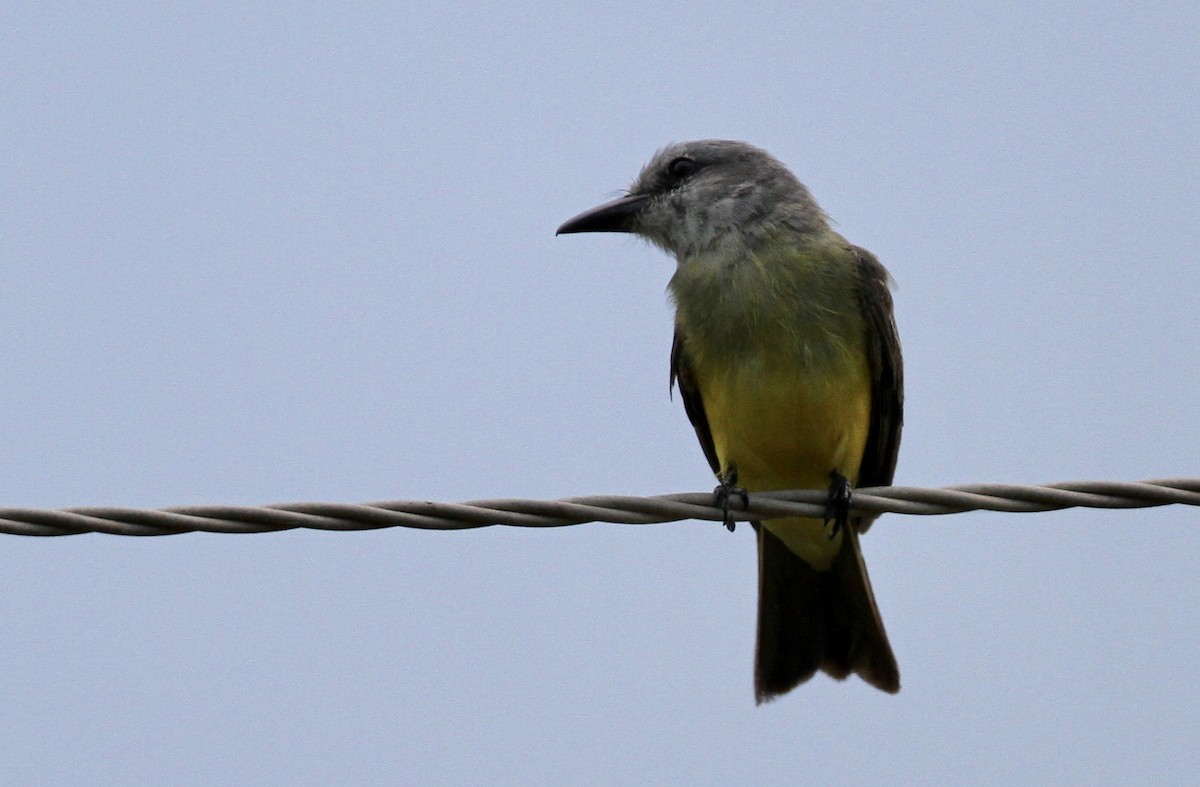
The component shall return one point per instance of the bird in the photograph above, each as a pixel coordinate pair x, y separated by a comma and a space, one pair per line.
787, 358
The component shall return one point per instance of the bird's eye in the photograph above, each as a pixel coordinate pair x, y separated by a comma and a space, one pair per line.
681, 167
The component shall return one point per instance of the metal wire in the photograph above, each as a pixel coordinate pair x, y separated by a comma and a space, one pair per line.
596, 508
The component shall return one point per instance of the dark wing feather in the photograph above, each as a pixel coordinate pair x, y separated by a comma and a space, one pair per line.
887, 375
682, 375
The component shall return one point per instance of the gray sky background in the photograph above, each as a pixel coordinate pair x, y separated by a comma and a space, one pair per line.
285, 252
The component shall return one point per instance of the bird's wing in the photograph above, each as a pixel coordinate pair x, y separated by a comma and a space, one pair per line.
682, 375
887, 375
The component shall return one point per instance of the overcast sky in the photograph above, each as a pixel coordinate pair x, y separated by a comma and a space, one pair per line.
280, 252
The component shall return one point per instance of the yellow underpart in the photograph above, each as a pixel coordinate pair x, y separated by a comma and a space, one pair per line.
787, 425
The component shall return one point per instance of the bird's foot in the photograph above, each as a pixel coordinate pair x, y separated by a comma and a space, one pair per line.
725, 493
837, 505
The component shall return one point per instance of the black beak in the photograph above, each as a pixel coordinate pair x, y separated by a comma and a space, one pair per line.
615, 216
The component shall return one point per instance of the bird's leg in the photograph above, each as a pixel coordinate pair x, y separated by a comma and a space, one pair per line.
726, 491
837, 505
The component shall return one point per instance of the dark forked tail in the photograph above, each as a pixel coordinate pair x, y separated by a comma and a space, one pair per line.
810, 620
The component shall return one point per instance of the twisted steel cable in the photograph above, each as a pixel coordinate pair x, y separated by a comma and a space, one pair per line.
596, 508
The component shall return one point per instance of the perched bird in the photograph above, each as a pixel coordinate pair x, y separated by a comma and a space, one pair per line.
787, 358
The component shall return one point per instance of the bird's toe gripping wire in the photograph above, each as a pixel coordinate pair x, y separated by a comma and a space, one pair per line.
725, 492
837, 505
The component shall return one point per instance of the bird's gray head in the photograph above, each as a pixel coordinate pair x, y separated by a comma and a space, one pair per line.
697, 197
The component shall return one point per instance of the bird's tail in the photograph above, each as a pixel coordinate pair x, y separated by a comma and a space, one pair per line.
810, 620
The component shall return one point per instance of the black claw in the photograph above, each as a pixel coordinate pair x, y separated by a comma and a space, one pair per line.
721, 497
837, 506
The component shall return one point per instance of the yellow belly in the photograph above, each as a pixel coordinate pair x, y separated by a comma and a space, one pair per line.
783, 426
